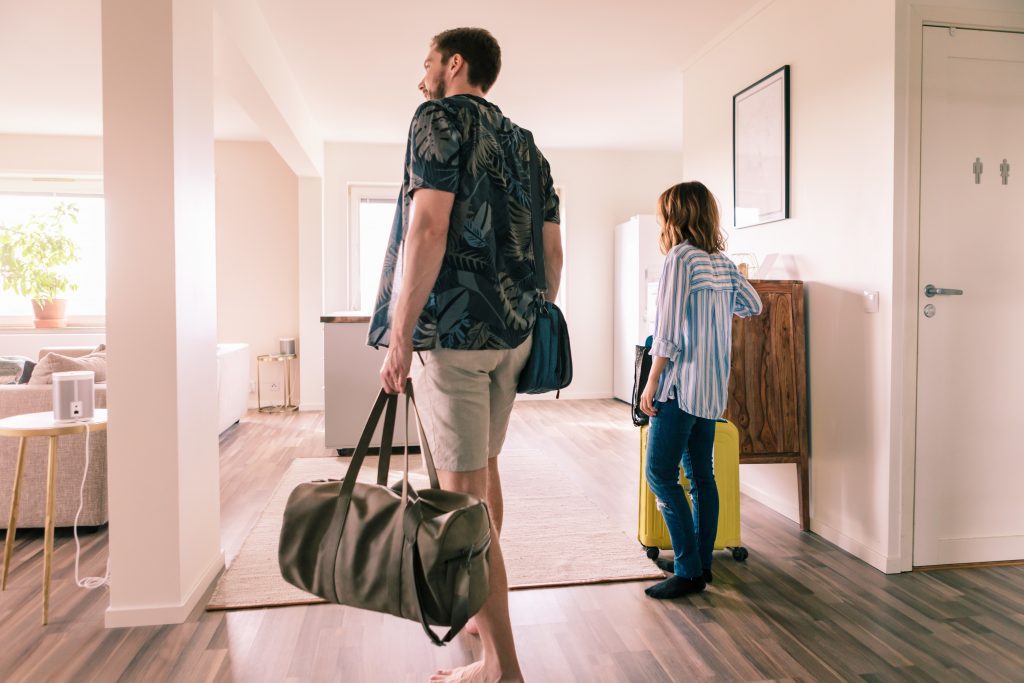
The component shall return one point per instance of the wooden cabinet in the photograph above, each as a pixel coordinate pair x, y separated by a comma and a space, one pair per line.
768, 383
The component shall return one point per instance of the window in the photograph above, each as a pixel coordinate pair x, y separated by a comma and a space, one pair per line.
21, 198
371, 213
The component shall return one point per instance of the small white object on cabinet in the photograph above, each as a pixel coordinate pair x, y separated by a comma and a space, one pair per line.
638, 262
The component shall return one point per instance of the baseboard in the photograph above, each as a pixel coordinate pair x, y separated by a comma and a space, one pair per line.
786, 508
310, 407
566, 396
156, 615
883, 563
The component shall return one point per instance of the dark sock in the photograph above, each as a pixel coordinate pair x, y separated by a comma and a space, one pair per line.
670, 567
675, 587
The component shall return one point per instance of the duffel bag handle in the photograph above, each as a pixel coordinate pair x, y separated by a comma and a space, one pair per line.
331, 540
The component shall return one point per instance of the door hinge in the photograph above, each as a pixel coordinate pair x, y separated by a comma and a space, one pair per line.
1004, 170
977, 170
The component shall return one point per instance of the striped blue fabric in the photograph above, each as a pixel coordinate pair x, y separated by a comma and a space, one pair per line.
698, 295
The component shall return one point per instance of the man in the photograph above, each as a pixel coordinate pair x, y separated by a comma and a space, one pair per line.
458, 285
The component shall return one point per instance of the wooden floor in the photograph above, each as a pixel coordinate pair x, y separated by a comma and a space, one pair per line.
798, 609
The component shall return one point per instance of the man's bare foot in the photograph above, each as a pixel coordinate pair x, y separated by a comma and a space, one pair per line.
471, 628
474, 673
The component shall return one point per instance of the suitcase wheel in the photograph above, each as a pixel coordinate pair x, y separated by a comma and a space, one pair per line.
652, 553
740, 554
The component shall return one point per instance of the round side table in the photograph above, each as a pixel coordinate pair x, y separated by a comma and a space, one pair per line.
287, 359
40, 424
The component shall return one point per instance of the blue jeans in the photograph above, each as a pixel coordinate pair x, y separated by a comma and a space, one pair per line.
677, 436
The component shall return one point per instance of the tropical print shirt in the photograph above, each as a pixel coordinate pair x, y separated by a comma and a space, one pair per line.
485, 294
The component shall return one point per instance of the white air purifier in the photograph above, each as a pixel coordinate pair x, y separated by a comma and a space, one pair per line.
74, 396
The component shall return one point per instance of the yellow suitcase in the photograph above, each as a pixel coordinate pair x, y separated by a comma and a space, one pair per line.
652, 533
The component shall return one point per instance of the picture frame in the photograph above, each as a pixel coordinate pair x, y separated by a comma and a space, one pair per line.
760, 151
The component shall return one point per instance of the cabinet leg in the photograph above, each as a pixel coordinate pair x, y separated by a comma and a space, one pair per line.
804, 486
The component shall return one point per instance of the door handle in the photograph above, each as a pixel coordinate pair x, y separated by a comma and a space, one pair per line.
932, 290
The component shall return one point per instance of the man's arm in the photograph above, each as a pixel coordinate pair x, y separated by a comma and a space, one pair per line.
424, 250
552, 259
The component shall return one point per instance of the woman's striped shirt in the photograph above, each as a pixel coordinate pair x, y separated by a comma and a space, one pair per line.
697, 297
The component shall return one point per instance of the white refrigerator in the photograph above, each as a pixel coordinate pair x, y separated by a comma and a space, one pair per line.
638, 262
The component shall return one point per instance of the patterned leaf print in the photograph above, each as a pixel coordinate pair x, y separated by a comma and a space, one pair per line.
514, 318
483, 296
484, 159
433, 137
469, 261
478, 229
519, 245
452, 309
477, 336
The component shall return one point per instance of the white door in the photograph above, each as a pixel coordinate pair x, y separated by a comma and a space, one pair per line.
969, 482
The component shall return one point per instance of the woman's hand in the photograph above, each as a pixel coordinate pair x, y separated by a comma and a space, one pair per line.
647, 397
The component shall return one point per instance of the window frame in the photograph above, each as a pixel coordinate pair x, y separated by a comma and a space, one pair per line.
70, 186
357, 192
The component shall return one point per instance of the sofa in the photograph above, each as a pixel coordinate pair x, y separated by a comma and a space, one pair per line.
17, 399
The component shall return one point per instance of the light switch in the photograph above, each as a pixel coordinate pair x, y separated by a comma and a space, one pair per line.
870, 301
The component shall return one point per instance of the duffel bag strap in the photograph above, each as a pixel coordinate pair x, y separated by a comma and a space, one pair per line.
428, 456
460, 601
386, 439
328, 552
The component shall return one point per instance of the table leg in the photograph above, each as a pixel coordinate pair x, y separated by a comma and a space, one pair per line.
12, 524
51, 494
287, 384
259, 394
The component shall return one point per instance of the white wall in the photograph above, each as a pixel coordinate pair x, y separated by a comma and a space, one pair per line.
41, 155
345, 164
600, 188
257, 250
257, 238
838, 240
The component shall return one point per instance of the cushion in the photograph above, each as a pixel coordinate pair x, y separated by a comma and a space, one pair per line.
54, 362
15, 369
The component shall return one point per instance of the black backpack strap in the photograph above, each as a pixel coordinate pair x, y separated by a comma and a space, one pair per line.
537, 214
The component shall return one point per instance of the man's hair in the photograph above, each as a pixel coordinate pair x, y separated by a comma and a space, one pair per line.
478, 48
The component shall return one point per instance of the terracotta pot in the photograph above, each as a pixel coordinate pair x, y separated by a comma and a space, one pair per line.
50, 313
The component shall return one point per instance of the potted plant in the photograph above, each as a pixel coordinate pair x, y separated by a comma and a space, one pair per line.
33, 256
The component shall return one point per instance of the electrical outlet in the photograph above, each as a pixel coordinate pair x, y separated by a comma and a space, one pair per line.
252, 387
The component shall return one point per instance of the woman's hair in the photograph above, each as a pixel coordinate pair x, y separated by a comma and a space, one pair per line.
689, 213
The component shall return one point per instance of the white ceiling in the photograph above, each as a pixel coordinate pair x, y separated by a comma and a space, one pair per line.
580, 73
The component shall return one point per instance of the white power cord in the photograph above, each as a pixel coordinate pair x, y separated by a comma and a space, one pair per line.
89, 582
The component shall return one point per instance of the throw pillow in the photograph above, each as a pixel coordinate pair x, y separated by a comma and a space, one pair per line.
15, 369
54, 362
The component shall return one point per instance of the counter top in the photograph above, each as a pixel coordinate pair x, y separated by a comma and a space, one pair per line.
345, 317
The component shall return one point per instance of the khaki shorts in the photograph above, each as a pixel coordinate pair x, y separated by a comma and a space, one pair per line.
465, 399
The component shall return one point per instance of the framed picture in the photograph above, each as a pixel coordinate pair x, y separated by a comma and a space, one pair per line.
760, 151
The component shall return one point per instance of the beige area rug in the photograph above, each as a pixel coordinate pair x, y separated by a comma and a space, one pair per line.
553, 535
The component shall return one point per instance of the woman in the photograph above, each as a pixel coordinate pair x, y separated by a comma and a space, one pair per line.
699, 292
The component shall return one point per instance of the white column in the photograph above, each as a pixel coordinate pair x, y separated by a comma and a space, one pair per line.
311, 293
161, 308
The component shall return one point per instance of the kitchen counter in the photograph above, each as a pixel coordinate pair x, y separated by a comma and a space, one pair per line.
352, 382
